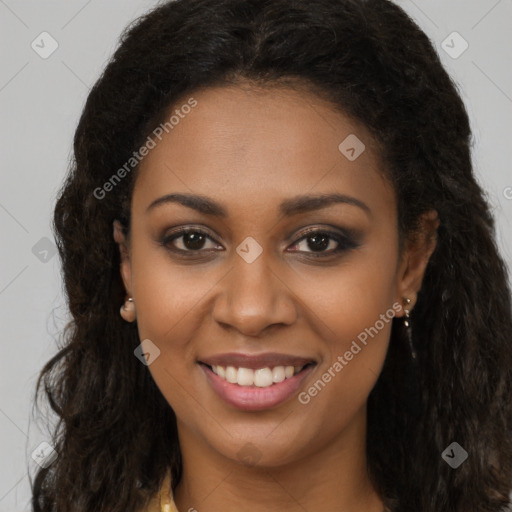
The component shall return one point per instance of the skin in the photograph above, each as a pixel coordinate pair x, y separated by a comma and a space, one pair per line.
249, 148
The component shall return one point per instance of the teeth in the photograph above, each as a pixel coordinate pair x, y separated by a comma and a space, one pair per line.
262, 378
231, 374
278, 374
245, 377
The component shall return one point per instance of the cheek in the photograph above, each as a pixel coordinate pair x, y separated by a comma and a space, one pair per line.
171, 304
345, 379
358, 312
353, 301
167, 295
355, 317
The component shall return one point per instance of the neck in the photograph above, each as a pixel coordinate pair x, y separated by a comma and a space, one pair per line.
332, 478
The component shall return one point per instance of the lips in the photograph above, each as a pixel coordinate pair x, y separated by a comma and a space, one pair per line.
255, 362
253, 398
256, 382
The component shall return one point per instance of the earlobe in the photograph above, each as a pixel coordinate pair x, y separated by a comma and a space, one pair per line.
125, 265
127, 310
418, 251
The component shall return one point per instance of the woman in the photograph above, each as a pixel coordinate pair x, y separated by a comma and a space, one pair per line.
285, 288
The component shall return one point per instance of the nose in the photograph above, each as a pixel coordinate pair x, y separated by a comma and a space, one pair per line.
254, 297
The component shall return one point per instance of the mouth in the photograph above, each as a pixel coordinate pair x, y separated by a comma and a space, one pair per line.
256, 389
260, 377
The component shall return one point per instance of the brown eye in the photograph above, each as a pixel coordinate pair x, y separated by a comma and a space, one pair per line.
319, 242
314, 243
325, 243
192, 240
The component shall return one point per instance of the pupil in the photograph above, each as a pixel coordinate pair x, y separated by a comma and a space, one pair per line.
320, 242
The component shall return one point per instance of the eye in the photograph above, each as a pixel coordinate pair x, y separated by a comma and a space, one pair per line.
193, 240
321, 243
318, 241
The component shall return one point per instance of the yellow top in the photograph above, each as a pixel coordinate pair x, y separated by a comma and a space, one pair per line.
163, 501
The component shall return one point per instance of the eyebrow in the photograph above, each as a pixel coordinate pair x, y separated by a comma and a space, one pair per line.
288, 208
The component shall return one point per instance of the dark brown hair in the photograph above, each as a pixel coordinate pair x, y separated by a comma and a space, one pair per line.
116, 434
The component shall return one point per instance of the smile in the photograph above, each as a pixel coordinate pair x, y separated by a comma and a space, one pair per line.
256, 390
262, 377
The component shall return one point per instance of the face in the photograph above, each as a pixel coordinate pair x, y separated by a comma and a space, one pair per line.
315, 282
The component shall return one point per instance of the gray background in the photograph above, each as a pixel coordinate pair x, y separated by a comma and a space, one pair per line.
40, 102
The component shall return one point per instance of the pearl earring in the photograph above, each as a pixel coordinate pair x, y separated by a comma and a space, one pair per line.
128, 310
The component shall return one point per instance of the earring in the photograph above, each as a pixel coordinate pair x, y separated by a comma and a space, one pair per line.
128, 310
408, 330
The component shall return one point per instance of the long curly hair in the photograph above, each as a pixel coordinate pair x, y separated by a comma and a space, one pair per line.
116, 435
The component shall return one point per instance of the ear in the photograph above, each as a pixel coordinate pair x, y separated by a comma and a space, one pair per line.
124, 249
415, 258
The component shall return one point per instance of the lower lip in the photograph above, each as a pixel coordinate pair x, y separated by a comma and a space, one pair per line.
252, 398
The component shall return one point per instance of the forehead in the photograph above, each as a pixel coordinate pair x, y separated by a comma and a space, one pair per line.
250, 147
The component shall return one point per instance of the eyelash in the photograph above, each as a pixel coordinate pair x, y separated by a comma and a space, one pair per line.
345, 242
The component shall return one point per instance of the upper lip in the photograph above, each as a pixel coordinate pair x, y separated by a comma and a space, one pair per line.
267, 359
